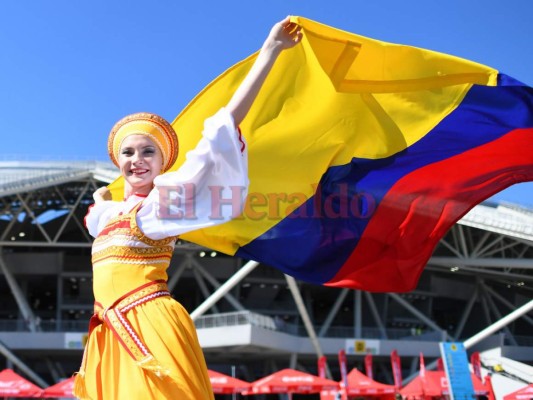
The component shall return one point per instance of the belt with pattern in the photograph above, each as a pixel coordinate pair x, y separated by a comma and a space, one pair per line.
114, 317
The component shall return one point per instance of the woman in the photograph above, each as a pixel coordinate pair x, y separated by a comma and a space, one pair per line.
142, 344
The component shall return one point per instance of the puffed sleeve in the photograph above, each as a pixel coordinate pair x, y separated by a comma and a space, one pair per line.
208, 189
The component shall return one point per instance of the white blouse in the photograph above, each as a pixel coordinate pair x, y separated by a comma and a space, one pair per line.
208, 189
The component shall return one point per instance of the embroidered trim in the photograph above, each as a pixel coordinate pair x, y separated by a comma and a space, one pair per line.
123, 331
144, 300
115, 242
115, 317
133, 253
141, 236
121, 326
152, 242
117, 224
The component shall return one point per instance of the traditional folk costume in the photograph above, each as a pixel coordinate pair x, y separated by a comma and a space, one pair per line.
142, 344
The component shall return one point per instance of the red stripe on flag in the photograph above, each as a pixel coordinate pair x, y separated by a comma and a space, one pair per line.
424, 205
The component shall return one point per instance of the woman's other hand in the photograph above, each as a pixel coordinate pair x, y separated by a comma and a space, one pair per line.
102, 194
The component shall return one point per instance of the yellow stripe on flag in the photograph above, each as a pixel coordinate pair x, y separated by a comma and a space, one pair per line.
334, 97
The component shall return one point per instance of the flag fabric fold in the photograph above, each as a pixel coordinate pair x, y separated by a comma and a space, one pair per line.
362, 154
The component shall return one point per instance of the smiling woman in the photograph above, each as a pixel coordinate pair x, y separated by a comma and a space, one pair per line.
140, 162
142, 145
142, 344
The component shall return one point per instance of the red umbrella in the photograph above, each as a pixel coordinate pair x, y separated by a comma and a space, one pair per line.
525, 393
291, 381
14, 385
61, 389
225, 384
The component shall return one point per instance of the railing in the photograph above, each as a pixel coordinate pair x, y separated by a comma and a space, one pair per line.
19, 325
250, 318
235, 318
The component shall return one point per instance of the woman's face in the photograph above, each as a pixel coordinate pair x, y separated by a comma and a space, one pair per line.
140, 161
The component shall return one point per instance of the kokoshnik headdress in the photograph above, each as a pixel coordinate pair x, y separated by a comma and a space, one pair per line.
150, 125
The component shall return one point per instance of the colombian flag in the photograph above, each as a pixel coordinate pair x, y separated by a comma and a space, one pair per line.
363, 154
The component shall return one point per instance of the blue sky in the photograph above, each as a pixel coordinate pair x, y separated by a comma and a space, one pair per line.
70, 69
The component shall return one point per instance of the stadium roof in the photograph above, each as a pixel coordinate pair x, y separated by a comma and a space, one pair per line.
22, 176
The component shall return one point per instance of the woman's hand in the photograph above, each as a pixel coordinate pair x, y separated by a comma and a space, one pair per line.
102, 194
285, 34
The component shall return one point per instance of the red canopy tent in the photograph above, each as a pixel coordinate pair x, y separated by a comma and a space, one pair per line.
526, 393
430, 387
435, 384
361, 385
225, 384
61, 389
291, 381
14, 385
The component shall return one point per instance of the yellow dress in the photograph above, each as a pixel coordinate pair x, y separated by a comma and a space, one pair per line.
142, 343
124, 260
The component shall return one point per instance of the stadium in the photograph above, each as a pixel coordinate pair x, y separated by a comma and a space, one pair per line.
251, 319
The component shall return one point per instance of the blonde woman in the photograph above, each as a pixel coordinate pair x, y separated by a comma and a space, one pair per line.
142, 343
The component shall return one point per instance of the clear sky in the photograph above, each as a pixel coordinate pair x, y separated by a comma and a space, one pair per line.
71, 69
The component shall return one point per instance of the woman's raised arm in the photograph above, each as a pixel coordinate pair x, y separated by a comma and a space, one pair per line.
283, 35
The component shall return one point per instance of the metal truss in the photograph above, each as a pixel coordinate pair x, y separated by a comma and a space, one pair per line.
487, 254
25, 213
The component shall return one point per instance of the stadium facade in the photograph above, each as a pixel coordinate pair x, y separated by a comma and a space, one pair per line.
252, 319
